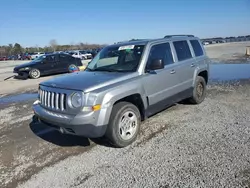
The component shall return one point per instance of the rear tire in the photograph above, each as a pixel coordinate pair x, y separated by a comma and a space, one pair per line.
34, 73
124, 124
199, 92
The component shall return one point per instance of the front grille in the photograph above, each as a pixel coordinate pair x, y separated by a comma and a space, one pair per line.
53, 100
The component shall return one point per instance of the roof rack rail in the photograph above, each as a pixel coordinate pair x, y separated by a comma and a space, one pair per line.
136, 39
169, 36
131, 40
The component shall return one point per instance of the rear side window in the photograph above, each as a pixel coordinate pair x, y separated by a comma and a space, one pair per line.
182, 50
197, 47
161, 51
65, 57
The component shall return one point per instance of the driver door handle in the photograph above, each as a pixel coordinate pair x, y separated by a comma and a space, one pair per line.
192, 65
172, 71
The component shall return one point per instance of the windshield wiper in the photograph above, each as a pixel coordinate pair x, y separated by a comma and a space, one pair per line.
89, 69
107, 70
103, 69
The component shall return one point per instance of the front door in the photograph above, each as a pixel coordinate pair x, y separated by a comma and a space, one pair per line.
161, 86
51, 63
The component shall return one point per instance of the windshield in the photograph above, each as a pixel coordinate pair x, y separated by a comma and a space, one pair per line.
117, 59
83, 52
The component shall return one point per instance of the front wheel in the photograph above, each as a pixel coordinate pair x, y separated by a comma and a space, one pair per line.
124, 124
34, 73
199, 91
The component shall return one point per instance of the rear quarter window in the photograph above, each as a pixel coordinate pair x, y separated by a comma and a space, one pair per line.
197, 48
182, 50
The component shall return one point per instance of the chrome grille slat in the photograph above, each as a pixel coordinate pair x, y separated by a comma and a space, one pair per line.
62, 101
53, 100
42, 98
57, 99
49, 99
45, 101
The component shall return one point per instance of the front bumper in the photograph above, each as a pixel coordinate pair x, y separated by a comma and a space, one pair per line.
82, 124
20, 72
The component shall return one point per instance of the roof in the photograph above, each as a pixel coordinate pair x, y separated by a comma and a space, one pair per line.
145, 41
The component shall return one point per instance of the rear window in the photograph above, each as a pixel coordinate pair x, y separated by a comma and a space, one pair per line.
182, 50
197, 47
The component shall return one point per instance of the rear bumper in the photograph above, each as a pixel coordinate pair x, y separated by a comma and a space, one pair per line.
82, 125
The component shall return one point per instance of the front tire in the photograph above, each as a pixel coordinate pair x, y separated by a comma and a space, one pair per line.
199, 92
34, 73
124, 124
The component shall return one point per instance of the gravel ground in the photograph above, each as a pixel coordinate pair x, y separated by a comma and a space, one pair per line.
185, 146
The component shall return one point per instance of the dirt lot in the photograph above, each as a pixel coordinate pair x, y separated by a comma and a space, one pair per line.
228, 52
185, 146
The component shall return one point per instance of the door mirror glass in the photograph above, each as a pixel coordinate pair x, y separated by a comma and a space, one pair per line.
156, 64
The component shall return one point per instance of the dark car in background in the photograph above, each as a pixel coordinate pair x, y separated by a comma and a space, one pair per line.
47, 65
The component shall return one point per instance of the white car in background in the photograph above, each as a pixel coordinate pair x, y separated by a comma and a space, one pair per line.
81, 54
36, 55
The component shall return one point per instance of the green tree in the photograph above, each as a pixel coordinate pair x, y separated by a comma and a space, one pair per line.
17, 49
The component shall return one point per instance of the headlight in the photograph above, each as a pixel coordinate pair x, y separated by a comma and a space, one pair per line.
76, 100
23, 69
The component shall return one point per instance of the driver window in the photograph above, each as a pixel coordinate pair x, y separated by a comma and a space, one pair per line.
50, 59
161, 51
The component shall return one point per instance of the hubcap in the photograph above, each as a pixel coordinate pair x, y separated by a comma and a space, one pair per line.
200, 90
127, 125
35, 73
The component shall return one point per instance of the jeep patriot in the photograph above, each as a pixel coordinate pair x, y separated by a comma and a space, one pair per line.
123, 85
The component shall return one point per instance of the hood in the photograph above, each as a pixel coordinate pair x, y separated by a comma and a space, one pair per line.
85, 80
26, 64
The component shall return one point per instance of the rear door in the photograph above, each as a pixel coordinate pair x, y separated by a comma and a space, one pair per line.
198, 51
185, 64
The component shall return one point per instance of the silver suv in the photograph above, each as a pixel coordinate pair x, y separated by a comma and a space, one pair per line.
123, 85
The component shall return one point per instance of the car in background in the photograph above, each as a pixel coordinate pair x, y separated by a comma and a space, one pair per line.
87, 54
80, 54
36, 55
47, 65
3, 58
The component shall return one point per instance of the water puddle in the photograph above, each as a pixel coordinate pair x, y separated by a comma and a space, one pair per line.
229, 72
17, 98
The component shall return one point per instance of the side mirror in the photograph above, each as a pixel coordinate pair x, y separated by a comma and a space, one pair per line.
156, 64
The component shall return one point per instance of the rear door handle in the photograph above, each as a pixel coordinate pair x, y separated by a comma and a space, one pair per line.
192, 65
172, 71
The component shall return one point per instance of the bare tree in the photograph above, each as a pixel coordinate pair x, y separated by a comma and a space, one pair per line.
53, 44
